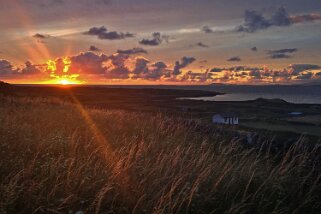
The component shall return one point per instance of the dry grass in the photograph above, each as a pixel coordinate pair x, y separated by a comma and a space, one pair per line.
311, 119
60, 158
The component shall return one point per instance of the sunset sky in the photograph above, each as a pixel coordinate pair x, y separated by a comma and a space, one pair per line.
160, 42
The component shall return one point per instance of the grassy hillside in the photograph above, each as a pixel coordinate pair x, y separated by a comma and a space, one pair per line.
59, 157
274, 113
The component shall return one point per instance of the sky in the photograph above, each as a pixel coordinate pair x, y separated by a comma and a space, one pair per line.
160, 42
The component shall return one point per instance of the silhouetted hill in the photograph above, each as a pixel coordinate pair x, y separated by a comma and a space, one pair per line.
6, 88
264, 100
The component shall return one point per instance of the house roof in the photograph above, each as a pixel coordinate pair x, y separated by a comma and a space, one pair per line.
228, 114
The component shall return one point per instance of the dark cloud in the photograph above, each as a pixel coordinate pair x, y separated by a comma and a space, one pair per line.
132, 51
242, 68
255, 74
202, 45
242, 74
165, 38
103, 33
235, 69
254, 49
234, 59
87, 63
280, 18
207, 29
160, 65
94, 48
185, 61
7, 70
216, 70
114, 67
281, 74
118, 69
118, 60
156, 39
296, 69
141, 66
95, 31
41, 36
281, 53
114, 35
197, 76
254, 20
280, 56
156, 71
6, 67
30, 69
117, 73
305, 76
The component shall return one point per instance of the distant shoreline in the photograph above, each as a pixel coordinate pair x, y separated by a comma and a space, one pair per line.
230, 97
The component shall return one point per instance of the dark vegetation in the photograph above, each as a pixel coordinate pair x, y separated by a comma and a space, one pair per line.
260, 115
65, 151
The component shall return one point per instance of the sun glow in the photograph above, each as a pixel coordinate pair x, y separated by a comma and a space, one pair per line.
65, 82
67, 63
51, 65
59, 72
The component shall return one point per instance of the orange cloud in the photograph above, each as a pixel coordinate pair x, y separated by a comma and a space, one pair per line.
90, 67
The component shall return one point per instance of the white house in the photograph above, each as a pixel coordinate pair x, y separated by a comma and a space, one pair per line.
226, 118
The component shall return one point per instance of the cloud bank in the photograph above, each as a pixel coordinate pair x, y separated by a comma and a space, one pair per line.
255, 20
99, 67
281, 53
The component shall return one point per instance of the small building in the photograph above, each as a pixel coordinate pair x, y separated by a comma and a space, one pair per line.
226, 118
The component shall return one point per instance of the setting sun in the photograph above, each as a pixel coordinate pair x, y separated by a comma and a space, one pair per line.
65, 82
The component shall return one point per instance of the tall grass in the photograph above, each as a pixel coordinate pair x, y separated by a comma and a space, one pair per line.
58, 157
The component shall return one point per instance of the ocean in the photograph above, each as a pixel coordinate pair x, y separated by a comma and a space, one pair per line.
292, 94
299, 94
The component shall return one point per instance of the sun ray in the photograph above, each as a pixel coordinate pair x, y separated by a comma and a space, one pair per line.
106, 149
37, 50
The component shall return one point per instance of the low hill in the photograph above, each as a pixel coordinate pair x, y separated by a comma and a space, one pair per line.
275, 101
6, 88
